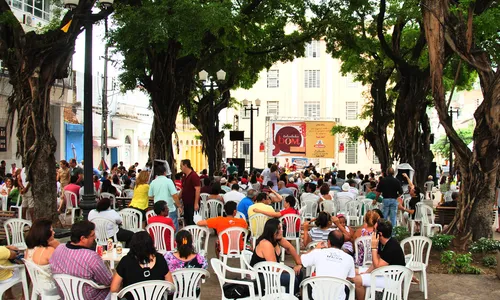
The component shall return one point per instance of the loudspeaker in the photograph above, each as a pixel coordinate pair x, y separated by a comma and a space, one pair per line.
239, 163
341, 174
236, 135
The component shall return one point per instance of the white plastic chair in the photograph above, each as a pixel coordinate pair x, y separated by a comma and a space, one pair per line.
420, 249
246, 256
396, 281
111, 197
214, 208
294, 190
368, 205
36, 274
257, 222
270, 274
203, 205
220, 269
309, 210
428, 189
132, 219
418, 218
240, 215
353, 209
342, 200
365, 242
18, 206
291, 233
72, 287
68, 197
327, 206
102, 229
326, 287
157, 232
128, 193
146, 290
14, 231
187, 282
149, 214
200, 238
20, 273
428, 225
234, 236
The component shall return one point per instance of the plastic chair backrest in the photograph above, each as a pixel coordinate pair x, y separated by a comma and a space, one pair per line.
240, 215
429, 186
259, 220
418, 211
365, 242
68, 196
102, 228
132, 219
289, 221
157, 231
221, 269
36, 274
246, 256
326, 287
294, 190
327, 206
187, 281
397, 280
149, 214
14, 231
311, 209
147, 290
111, 197
214, 208
420, 248
128, 193
234, 237
270, 274
200, 237
72, 287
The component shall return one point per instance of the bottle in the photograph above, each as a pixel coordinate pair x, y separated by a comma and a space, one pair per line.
119, 248
110, 245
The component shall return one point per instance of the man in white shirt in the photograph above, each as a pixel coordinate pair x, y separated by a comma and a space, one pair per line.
234, 194
266, 174
330, 260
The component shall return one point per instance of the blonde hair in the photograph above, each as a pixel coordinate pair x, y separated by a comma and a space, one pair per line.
371, 218
142, 178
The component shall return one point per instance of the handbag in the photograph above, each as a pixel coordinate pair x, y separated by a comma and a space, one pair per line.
238, 291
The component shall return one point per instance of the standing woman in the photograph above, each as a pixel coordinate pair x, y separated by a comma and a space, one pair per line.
63, 174
274, 175
142, 263
140, 200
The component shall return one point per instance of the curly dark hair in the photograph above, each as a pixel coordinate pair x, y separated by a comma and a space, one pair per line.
142, 247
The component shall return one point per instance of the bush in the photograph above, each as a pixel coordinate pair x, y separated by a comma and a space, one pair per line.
441, 241
459, 263
489, 261
484, 245
401, 233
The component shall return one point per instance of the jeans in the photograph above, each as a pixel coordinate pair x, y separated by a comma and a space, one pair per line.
285, 282
173, 215
391, 210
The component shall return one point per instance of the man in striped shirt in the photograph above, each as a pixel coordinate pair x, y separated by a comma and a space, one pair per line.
76, 259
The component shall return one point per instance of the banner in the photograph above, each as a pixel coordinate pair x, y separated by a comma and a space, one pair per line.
302, 139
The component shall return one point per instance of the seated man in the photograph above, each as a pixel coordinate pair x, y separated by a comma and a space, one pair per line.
283, 190
234, 194
161, 211
246, 202
309, 194
330, 260
385, 251
453, 202
222, 223
77, 259
262, 202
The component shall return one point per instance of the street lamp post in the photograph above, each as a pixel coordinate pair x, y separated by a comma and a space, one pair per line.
212, 128
451, 112
251, 109
88, 199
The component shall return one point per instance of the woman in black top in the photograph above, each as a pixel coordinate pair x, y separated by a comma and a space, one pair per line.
267, 248
142, 263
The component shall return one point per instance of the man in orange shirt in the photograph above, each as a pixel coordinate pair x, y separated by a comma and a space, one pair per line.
222, 223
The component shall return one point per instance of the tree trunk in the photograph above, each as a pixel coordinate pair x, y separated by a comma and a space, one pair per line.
163, 127
411, 127
480, 167
376, 131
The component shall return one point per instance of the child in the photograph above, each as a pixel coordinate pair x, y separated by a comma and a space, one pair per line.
341, 222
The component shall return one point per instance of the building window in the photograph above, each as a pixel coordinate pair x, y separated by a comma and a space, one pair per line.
272, 108
243, 114
38, 8
311, 78
312, 109
350, 81
273, 79
351, 110
351, 153
312, 49
245, 152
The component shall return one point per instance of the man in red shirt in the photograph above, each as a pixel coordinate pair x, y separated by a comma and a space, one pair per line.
222, 223
190, 193
74, 188
161, 211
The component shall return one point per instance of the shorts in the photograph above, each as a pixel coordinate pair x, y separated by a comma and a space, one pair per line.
366, 279
28, 200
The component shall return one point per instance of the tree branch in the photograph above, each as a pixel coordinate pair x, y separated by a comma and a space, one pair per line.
249, 9
383, 43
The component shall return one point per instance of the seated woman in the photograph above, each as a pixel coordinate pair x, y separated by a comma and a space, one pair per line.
41, 244
107, 187
13, 194
142, 263
103, 210
325, 192
215, 193
368, 228
268, 248
185, 256
319, 233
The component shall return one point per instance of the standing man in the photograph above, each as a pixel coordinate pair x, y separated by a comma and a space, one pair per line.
190, 193
25, 187
231, 169
163, 188
266, 174
76, 170
390, 188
